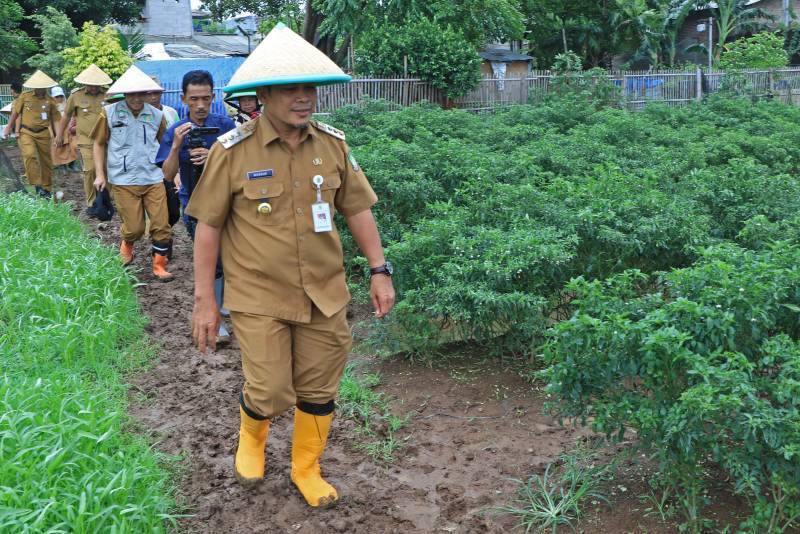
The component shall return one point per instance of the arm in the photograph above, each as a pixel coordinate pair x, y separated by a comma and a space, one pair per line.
172, 163
11, 123
205, 316
59, 130
99, 154
59, 140
365, 232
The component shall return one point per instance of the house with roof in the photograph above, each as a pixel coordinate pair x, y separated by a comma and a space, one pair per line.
172, 30
696, 28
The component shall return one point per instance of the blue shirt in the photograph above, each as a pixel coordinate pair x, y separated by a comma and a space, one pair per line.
185, 165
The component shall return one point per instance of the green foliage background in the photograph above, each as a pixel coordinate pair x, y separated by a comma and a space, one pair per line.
648, 260
97, 45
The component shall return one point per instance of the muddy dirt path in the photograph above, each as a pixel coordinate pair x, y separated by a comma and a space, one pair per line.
471, 429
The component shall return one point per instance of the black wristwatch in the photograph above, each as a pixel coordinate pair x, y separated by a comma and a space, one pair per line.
386, 269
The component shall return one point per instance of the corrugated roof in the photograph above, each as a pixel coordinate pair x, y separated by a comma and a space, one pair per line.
503, 55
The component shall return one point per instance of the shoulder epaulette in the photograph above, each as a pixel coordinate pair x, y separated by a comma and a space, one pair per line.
75, 90
330, 130
241, 132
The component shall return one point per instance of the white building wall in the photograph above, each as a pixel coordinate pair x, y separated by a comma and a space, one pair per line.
168, 18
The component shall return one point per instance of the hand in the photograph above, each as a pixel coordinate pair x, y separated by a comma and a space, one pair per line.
58, 141
198, 156
205, 324
381, 292
177, 182
180, 134
100, 182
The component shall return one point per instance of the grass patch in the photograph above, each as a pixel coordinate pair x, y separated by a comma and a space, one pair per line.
554, 499
370, 410
70, 328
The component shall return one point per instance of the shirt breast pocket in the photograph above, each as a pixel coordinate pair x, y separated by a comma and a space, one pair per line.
329, 187
259, 192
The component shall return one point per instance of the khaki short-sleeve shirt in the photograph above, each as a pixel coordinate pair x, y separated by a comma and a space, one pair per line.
36, 113
86, 109
276, 264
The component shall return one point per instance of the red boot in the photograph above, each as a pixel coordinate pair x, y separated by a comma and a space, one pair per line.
126, 252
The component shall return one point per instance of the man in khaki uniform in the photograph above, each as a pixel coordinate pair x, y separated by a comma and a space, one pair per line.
39, 114
85, 104
266, 200
126, 139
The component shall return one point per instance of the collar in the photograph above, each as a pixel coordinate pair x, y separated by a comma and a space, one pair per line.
267, 134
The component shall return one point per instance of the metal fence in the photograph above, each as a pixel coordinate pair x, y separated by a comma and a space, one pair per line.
634, 88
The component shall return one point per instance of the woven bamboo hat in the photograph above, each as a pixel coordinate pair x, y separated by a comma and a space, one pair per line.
6, 110
134, 81
39, 80
93, 75
285, 58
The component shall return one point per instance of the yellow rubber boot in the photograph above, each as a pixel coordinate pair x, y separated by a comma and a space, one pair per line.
249, 462
308, 443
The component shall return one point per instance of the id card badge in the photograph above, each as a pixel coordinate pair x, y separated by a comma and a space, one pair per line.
44, 115
321, 211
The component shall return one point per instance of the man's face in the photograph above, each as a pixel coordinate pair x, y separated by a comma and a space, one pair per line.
153, 98
198, 99
92, 89
248, 104
59, 99
40, 93
289, 105
135, 101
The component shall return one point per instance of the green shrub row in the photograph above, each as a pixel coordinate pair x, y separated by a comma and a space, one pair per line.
703, 363
70, 324
486, 217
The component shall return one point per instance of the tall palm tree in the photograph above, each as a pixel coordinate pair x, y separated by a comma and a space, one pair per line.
677, 12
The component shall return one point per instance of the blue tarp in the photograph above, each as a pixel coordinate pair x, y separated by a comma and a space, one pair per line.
170, 73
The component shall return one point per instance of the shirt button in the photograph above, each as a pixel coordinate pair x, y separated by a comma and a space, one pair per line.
300, 238
297, 183
299, 211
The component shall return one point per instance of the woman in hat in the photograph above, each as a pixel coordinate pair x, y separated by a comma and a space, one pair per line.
40, 116
65, 146
126, 139
246, 105
266, 201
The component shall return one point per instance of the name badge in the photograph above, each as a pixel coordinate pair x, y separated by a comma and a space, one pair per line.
257, 175
44, 115
321, 211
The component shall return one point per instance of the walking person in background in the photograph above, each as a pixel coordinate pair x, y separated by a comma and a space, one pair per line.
178, 154
40, 116
64, 150
266, 202
171, 186
246, 105
84, 106
126, 139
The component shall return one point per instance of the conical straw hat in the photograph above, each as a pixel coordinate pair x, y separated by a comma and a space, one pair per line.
284, 58
93, 75
6, 110
39, 80
239, 94
134, 81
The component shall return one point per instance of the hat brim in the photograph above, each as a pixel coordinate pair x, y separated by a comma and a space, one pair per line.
313, 79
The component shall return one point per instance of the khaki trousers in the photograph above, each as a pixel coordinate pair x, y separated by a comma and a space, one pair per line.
133, 201
37, 158
87, 164
285, 362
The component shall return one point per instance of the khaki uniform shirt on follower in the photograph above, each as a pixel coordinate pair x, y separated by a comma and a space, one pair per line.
86, 109
276, 265
30, 108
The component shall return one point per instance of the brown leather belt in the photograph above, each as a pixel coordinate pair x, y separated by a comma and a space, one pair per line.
34, 130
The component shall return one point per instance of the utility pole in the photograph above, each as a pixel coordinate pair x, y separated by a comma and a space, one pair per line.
710, 42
